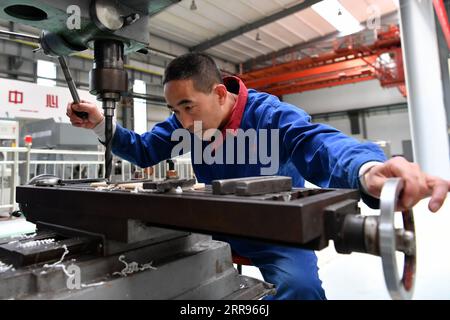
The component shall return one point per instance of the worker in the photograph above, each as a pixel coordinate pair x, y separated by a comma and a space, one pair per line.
195, 92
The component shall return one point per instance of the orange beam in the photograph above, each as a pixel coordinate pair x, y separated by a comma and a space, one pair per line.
339, 66
342, 66
387, 41
357, 72
305, 63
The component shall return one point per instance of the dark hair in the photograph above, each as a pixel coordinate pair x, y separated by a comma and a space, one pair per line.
199, 67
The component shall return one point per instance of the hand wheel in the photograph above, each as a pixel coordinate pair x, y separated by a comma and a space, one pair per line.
392, 240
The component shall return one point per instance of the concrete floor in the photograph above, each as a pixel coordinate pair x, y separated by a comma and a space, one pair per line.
360, 276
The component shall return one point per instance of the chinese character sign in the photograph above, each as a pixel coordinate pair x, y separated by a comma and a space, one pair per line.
20, 99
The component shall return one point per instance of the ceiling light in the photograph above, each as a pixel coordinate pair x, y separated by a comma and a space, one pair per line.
344, 21
193, 5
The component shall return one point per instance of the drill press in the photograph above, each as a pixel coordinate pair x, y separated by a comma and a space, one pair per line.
111, 28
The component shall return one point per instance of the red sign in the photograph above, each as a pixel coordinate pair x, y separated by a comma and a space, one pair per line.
52, 101
15, 97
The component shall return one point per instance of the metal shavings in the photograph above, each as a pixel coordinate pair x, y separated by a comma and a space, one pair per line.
198, 186
58, 264
66, 251
24, 236
141, 190
106, 188
135, 190
36, 243
102, 184
92, 284
132, 267
5, 267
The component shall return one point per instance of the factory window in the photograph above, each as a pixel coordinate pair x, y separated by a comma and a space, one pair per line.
140, 107
337, 16
46, 73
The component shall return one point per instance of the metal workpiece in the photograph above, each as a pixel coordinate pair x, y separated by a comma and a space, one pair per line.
169, 184
252, 186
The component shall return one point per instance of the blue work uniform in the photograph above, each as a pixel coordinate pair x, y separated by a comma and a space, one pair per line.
315, 152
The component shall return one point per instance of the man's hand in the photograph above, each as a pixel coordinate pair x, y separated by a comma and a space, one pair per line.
94, 115
417, 184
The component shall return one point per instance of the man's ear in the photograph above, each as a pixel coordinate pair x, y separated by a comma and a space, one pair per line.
221, 91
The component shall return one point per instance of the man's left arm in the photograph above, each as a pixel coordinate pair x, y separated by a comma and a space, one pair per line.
322, 154
328, 158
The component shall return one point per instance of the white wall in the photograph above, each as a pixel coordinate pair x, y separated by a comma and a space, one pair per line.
156, 114
347, 97
390, 126
393, 127
341, 123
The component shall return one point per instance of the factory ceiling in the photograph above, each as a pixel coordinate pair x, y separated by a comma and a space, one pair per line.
241, 31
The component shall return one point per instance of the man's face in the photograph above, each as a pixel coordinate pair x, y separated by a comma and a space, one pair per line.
189, 105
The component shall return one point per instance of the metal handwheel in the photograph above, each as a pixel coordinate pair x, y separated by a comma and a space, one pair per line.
392, 240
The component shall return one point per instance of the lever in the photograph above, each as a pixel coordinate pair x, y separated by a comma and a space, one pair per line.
72, 87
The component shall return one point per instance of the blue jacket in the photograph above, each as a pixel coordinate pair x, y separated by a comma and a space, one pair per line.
311, 151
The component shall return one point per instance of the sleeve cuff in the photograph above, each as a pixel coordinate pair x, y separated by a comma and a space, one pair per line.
367, 198
362, 171
99, 130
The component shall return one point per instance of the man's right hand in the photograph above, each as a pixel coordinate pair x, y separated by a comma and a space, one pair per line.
95, 116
